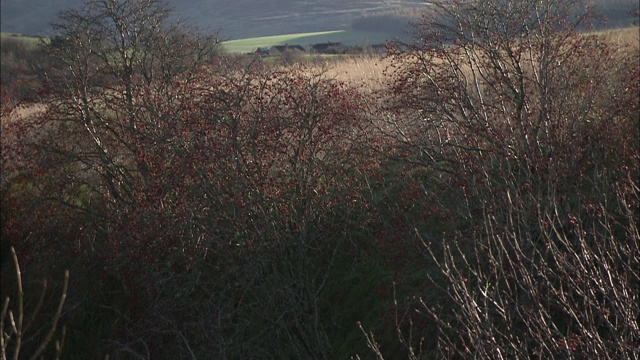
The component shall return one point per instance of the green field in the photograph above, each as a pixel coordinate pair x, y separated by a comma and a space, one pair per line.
347, 37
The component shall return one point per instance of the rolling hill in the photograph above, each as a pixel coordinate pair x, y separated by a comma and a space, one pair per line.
239, 19
233, 19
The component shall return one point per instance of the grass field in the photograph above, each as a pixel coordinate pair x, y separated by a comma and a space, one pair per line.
364, 72
20, 37
347, 37
628, 36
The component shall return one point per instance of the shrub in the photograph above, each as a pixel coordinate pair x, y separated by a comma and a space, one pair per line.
19, 316
507, 110
262, 168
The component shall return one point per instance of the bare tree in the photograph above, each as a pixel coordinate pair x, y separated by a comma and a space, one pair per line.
110, 58
505, 106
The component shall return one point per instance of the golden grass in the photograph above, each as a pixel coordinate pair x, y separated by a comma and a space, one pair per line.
629, 36
365, 72
370, 72
22, 113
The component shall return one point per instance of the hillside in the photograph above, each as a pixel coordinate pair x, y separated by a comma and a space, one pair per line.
234, 19
248, 18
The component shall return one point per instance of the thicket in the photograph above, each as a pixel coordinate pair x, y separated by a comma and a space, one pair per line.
524, 134
484, 204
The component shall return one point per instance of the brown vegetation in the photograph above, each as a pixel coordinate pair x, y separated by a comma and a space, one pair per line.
474, 195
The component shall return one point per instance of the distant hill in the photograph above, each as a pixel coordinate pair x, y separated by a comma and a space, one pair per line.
235, 19
238, 19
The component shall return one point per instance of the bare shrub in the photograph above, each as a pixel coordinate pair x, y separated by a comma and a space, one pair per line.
565, 293
506, 110
17, 323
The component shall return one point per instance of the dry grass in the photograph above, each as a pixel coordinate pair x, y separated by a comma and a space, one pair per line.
370, 72
23, 112
629, 36
365, 72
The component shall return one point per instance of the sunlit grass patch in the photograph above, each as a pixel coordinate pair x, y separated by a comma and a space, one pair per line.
347, 37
